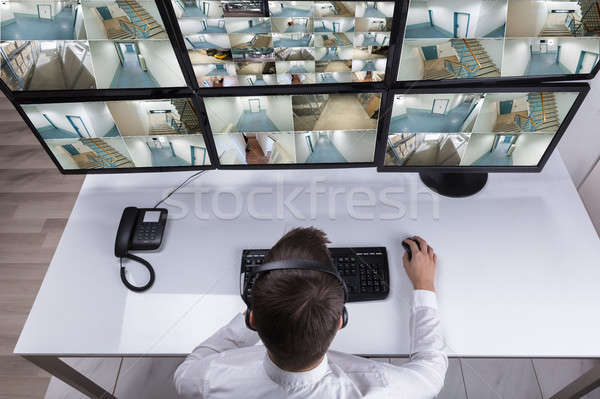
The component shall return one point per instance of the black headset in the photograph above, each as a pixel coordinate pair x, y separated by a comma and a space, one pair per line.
289, 264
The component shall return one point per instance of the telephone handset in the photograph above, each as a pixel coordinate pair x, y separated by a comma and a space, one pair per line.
139, 229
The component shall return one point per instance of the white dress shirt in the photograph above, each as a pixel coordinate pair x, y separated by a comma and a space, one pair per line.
230, 365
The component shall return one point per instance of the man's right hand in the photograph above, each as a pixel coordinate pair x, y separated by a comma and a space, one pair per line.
421, 267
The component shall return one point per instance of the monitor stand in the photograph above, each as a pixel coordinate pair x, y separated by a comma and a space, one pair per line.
454, 184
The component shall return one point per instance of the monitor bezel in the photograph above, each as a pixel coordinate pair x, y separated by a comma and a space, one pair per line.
303, 90
144, 169
163, 9
581, 88
273, 89
401, 84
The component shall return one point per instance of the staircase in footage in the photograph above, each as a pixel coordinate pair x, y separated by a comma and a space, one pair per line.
107, 156
475, 60
187, 115
142, 25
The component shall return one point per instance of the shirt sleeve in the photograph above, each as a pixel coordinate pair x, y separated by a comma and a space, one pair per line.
423, 376
189, 377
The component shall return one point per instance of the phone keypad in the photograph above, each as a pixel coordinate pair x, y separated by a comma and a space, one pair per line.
148, 232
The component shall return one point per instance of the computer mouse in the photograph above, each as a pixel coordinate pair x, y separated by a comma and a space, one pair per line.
407, 247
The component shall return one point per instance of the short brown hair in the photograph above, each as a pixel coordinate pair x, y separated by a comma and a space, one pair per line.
297, 312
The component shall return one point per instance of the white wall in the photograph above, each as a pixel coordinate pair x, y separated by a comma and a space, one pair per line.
487, 117
494, 48
35, 116
131, 117
580, 145
161, 62
570, 50
190, 26
95, 116
492, 15
181, 146
98, 117
219, 39
411, 63
215, 9
346, 24
443, 13
530, 147
80, 33
231, 148
387, 8
479, 144
93, 25
140, 153
564, 102
226, 111
417, 13
526, 18
517, 56
355, 146
302, 148
590, 193
105, 60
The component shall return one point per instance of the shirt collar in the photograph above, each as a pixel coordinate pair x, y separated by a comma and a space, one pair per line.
302, 378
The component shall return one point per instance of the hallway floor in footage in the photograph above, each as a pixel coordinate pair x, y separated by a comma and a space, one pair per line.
35, 203
60, 28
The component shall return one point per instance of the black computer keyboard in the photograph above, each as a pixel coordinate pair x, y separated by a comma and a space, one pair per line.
365, 270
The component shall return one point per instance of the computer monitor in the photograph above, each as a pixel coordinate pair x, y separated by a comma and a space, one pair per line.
86, 45
295, 130
275, 43
456, 41
455, 136
135, 135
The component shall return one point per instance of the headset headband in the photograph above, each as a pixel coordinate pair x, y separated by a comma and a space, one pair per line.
299, 264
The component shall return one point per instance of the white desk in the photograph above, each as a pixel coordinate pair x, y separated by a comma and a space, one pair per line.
518, 265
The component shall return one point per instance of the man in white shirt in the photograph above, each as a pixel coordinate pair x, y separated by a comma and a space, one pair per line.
297, 314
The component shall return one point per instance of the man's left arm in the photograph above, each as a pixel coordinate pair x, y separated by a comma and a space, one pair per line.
189, 376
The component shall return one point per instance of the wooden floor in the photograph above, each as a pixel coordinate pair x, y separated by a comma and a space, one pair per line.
35, 203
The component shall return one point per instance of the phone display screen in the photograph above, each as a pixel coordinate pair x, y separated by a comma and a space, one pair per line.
151, 216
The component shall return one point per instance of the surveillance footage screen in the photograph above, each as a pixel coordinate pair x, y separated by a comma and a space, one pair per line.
258, 43
474, 129
296, 129
121, 134
457, 39
85, 44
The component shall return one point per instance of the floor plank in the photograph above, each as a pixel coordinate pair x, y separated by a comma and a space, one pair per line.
103, 371
149, 378
555, 374
500, 379
35, 202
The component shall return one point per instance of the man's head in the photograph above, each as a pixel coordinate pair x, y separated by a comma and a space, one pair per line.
297, 312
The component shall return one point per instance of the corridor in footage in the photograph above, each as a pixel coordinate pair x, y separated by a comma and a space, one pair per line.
130, 73
324, 151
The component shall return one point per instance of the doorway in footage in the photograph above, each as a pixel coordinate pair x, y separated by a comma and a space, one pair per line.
175, 116
536, 112
426, 149
80, 135
46, 65
135, 64
255, 148
37, 20
168, 150
321, 128
435, 113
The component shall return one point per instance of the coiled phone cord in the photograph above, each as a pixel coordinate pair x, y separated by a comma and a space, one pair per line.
144, 263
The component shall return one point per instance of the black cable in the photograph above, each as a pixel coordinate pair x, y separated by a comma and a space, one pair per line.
186, 181
144, 263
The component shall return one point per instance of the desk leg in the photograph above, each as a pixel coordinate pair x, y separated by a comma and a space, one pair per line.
581, 386
66, 373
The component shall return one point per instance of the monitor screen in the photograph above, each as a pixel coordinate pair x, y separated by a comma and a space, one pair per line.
259, 43
121, 134
294, 129
77, 45
454, 39
474, 129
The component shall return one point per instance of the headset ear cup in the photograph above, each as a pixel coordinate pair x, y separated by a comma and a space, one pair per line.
344, 317
247, 318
